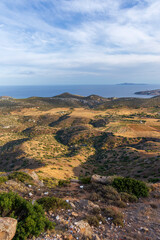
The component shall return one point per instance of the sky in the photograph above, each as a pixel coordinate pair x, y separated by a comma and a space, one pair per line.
60, 42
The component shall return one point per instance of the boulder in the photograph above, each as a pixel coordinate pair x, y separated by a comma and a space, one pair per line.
33, 175
102, 179
7, 228
99, 179
87, 204
85, 229
95, 237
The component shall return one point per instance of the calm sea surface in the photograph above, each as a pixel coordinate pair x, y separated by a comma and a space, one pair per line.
84, 90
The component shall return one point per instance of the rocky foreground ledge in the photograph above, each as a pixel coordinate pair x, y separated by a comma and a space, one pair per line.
7, 228
97, 211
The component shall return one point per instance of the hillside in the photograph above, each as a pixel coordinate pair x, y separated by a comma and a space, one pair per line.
66, 139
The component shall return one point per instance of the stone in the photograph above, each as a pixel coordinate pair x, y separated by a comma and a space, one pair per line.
33, 175
99, 179
144, 229
86, 204
74, 214
46, 193
30, 194
85, 229
72, 205
7, 228
95, 237
102, 179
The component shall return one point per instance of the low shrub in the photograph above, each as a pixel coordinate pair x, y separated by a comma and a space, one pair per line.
85, 180
31, 218
63, 183
131, 186
120, 204
50, 182
110, 193
126, 197
96, 210
3, 179
21, 177
94, 220
114, 214
95, 197
53, 203
154, 180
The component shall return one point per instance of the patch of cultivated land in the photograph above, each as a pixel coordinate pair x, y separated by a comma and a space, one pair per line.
83, 137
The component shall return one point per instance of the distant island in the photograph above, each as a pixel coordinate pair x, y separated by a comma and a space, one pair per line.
155, 92
131, 84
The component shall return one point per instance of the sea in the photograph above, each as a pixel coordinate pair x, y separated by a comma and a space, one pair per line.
119, 91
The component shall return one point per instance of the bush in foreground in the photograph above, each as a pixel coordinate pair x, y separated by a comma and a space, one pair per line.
131, 186
31, 218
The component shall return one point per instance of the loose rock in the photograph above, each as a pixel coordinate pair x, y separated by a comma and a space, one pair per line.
7, 228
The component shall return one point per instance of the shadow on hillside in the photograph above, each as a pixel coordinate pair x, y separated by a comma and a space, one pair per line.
62, 118
12, 157
120, 159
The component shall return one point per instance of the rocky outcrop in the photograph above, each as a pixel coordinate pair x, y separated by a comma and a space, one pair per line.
33, 175
102, 179
7, 228
86, 204
99, 179
85, 229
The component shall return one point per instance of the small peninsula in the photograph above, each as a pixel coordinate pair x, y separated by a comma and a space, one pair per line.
155, 92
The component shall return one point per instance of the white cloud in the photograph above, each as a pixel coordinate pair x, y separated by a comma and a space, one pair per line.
72, 37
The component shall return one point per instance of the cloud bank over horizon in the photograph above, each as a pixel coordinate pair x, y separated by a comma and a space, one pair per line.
79, 41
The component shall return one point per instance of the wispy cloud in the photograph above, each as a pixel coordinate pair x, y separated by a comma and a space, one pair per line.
105, 40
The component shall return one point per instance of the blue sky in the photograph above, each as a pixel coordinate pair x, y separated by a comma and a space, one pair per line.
44, 42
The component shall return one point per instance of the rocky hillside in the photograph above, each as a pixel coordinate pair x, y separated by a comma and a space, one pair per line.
70, 164
98, 207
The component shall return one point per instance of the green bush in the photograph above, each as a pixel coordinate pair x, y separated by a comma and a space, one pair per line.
63, 183
53, 203
92, 220
85, 180
154, 180
126, 197
31, 218
21, 177
131, 186
114, 214
3, 179
110, 193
